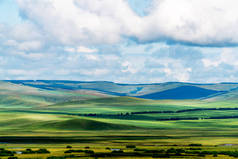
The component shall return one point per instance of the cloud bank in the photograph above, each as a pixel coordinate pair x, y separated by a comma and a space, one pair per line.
113, 40
192, 22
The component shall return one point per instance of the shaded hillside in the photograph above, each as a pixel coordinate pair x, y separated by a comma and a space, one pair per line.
168, 90
231, 95
118, 105
112, 101
28, 122
85, 124
19, 95
183, 92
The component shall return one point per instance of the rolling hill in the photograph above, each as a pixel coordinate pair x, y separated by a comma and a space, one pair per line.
36, 122
183, 92
74, 106
169, 90
19, 95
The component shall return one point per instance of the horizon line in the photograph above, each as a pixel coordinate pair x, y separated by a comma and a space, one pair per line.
87, 81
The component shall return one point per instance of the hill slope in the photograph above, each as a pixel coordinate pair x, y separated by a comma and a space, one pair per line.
85, 124
169, 90
18, 95
183, 92
36, 122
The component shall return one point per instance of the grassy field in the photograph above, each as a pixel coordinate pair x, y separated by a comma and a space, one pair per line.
140, 150
32, 117
107, 146
53, 120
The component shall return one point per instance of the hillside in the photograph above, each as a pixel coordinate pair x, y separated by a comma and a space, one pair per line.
183, 92
44, 122
19, 95
169, 90
71, 107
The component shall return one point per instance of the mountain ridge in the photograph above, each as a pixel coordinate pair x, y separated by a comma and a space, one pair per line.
158, 90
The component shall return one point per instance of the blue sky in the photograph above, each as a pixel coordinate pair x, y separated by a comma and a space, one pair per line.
126, 41
9, 12
140, 7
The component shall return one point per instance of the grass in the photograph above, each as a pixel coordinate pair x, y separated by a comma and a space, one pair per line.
58, 149
21, 96
117, 105
202, 131
50, 116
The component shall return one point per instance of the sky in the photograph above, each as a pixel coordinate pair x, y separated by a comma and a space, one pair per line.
124, 41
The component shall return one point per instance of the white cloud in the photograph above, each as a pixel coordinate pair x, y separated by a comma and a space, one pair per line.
30, 45
69, 49
167, 71
84, 21
201, 22
94, 72
92, 57
3, 61
176, 71
62, 72
225, 56
128, 67
80, 49
32, 56
194, 21
86, 50
210, 62
229, 56
131, 66
25, 31
11, 43
110, 58
93, 39
25, 45
22, 72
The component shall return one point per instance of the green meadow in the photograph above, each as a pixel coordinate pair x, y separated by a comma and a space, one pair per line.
32, 117
74, 119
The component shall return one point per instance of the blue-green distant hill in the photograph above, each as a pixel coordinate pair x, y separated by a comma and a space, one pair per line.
183, 92
169, 90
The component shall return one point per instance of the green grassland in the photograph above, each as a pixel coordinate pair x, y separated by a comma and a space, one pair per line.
140, 150
32, 117
19, 96
53, 120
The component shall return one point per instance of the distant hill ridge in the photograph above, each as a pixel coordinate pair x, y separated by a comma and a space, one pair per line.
168, 90
182, 92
